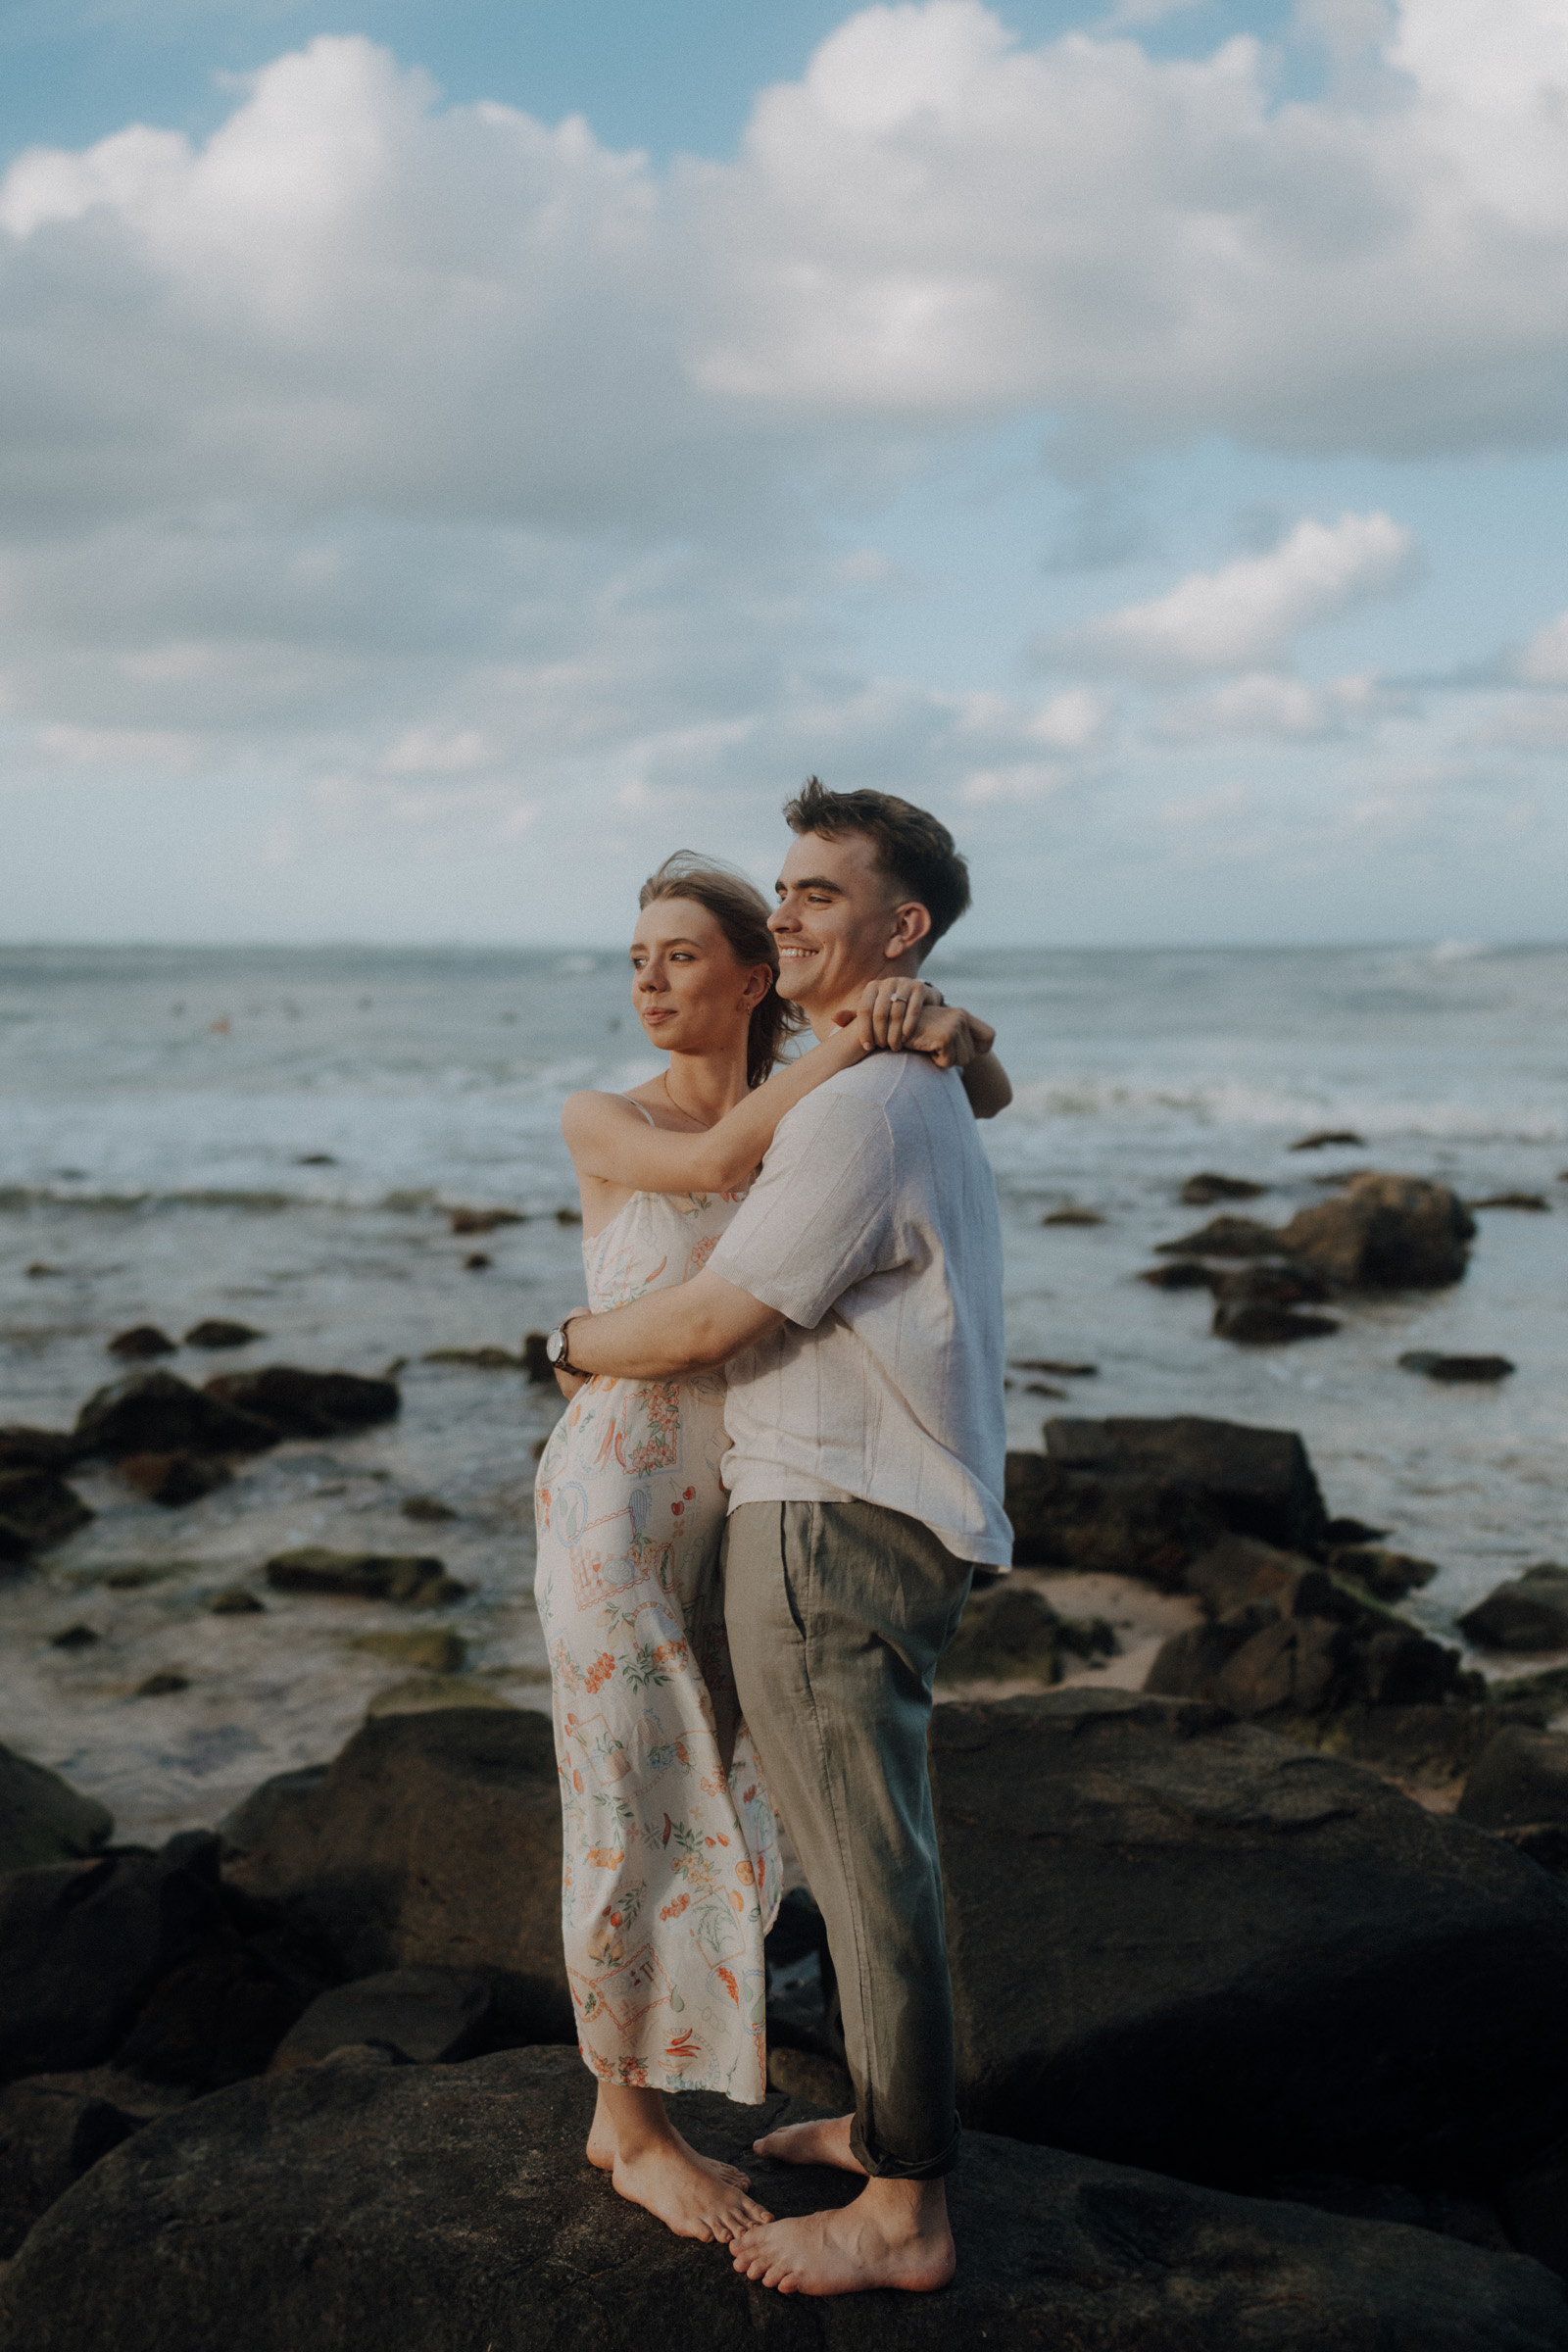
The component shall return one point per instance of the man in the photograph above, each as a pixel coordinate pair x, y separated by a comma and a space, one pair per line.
857, 1300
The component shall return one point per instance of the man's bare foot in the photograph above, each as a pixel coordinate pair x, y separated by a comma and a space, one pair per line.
689, 2194
880, 2240
825, 2142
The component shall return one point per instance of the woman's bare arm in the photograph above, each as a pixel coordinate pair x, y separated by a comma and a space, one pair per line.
955, 1039
608, 1135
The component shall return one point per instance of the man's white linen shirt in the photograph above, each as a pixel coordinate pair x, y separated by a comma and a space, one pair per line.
873, 1228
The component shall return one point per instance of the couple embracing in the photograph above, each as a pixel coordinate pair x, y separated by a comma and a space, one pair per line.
781, 1462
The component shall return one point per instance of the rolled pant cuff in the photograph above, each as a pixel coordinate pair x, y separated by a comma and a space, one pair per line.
882, 2167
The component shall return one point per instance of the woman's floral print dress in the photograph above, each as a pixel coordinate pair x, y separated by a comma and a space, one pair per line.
671, 1876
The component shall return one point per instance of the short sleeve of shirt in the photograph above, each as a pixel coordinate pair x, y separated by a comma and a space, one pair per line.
820, 1216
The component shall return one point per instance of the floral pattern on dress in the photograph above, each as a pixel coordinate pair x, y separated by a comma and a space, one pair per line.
671, 1875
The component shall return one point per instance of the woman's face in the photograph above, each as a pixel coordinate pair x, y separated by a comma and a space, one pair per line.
689, 991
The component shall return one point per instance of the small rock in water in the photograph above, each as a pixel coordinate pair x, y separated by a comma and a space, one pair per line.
426, 1506
1182, 1274
483, 1220
476, 1261
158, 1412
162, 1686
297, 1403
1325, 1136
1256, 1323
235, 1601
1352, 1531
430, 1649
141, 1573
1225, 1237
1041, 1388
1531, 1200
75, 1637
173, 1479
1385, 1233
479, 1359
1199, 1191
541, 1372
568, 1216
38, 1271
315, 1159
1261, 1285
215, 1332
416, 1581
140, 1343
1529, 1612
42, 1820
434, 1694
1049, 1363
1453, 1369
37, 1511
1072, 1216
1387, 1575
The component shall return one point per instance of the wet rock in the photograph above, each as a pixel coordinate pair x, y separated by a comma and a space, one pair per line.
1387, 1575
236, 1601
432, 1840
1255, 1661
1256, 1324
308, 1404
535, 1361
1051, 1364
42, 1818
432, 1650
1429, 1745
1258, 1285
1453, 1369
426, 1507
1344, 1530
141, 1342
1010, 1633
1072, 1216
1385, 1233
216, 1332
162, 1686
23, 1449
1199, 1192
477, 1262
415, 1580
1529, 1612
428, 1693
1240, 1570
1256, 1482
568, 1216
49, 2137
440, 2210
1225, 1956
1182, 1274
82, 1945
1521, 1778
426, 2015
1225, 1237
1132, 1524
1323, 1137
37, 1509
75, 1637
1537, 1202
483, 1220
158, 1412
1401, 1667
173, 1478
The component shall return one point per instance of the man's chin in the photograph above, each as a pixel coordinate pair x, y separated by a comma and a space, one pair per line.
794, 983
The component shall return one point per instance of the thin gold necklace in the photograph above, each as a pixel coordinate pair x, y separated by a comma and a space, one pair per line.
704, 1124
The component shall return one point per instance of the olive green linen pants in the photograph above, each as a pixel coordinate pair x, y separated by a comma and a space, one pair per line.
837, 1614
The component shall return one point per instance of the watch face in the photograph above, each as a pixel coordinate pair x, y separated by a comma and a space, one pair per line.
555, 1347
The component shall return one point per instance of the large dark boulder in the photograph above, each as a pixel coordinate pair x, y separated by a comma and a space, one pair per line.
424, 2016
158, 1412
1528, 1613
83, 1944
38, 1509
50, 2135
308, 1404
1179, 1941
1383, 1233
1258, 1482
1131, 1525
432, 1840
415, 1579
1521, 1778
450, 2209
43, 1818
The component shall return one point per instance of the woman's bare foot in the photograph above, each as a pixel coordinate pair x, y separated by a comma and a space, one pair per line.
689, 2194
825, 2142
895, 2234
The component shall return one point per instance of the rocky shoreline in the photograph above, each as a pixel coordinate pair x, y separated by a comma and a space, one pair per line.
1258, 1908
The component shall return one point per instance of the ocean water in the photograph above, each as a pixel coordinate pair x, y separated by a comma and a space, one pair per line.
278, 1136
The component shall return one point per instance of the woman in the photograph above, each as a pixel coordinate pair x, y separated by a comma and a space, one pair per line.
672, 1872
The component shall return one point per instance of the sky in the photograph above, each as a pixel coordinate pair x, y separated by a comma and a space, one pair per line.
453, 455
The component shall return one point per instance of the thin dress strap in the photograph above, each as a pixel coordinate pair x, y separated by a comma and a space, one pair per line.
642, 1106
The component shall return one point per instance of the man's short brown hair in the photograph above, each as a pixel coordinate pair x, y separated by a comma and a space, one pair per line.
914, 850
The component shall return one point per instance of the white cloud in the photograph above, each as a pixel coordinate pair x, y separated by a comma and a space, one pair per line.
1281, 708
1543, 661
1251, 612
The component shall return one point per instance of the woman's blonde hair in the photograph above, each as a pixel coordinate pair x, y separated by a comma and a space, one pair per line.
741, 913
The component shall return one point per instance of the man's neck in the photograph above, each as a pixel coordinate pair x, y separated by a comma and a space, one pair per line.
822, 1019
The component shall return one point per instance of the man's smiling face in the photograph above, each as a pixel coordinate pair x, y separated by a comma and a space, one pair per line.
839, 923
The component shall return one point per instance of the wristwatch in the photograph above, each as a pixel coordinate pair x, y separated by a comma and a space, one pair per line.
555, 1348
